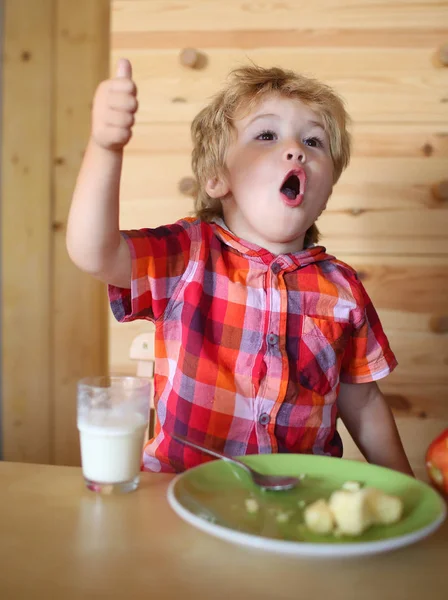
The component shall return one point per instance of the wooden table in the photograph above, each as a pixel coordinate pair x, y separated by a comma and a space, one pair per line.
58, 540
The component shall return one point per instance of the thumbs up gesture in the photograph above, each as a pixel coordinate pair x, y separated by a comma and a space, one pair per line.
114, 106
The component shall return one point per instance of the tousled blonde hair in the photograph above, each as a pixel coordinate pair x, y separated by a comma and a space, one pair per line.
212, 129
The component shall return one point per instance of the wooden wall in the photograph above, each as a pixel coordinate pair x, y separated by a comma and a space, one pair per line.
384, 217
54, 318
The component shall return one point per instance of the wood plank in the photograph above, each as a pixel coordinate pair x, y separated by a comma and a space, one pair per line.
179, 15
394, 232
79, 301
404, 285
410, 140
389, 183
375, 83
416, 435
26, 210
423, 359
339, 62
420, 400
383, 196
268, 37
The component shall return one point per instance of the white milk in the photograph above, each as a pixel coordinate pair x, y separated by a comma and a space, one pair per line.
111, 446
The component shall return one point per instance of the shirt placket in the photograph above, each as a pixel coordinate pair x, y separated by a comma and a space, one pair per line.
273, 388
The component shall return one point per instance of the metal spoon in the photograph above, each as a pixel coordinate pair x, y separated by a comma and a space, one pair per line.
268, 482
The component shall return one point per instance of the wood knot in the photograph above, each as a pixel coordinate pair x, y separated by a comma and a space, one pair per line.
428, 150
57, 226
192, 58
25, 56
438, 324
440, 190
362, 275
443, 55
357, 211
188, 186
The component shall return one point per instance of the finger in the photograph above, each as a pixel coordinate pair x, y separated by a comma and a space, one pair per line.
121, 84
118, 136
120, 119
123, 101
124, 68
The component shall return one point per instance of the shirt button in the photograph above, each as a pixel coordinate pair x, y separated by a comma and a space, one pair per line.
276, 268
272, 339
264, 419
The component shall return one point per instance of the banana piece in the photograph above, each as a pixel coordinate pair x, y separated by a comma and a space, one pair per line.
351, 511
318, 517
385, 509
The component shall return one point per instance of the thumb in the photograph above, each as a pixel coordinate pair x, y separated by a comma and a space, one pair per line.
124, 68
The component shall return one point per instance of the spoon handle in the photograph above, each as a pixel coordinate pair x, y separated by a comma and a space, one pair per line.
215, 453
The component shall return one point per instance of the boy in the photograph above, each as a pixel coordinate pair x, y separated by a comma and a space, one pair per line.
262, 338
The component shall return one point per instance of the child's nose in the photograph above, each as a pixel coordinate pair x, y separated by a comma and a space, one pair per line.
295, 154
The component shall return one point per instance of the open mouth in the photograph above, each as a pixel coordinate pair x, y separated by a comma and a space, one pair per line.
293, 187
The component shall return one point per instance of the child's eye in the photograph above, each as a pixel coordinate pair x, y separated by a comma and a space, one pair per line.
267, 136
314, 142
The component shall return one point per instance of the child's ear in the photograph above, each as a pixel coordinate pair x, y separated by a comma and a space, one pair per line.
217, 187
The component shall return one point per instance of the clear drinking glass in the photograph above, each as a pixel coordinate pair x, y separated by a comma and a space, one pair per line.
113, 415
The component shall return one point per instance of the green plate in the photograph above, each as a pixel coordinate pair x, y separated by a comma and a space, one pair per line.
212, 497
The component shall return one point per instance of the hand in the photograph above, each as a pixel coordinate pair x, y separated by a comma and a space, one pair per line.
114, 106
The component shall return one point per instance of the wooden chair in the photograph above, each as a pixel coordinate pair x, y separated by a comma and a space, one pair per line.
142, 351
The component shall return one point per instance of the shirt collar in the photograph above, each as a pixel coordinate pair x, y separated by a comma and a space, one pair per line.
252, 251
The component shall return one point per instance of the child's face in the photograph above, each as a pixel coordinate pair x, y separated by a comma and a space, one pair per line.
279, 136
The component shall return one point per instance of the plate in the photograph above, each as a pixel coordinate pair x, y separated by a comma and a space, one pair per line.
213, 497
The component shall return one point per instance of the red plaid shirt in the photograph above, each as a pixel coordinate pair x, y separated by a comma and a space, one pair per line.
250, 346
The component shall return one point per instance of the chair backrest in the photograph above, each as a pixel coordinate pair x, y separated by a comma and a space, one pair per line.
142, 351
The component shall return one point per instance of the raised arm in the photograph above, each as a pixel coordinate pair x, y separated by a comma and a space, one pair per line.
93, 237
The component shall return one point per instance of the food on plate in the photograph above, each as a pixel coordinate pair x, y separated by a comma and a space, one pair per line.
252, 505
319, 518
352, 486
385, 509
351, 511
283, 516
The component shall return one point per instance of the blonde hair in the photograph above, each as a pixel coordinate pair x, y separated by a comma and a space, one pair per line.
212, 129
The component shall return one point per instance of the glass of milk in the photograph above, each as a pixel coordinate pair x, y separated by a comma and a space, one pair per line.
113, 415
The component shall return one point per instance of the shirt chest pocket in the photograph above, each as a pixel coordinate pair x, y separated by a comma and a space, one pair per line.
321, 349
